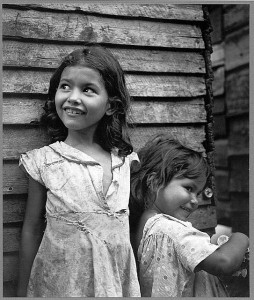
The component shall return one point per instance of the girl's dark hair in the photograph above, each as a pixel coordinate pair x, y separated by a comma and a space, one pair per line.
163, 158
112, 130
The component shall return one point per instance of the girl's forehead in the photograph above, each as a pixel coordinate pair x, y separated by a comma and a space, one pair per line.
79, 72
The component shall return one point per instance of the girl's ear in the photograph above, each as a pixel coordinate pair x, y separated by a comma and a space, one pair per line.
152, 181
110, 110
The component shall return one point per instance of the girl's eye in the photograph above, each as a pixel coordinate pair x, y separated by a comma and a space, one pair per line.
64, 86
189, 189
88, 90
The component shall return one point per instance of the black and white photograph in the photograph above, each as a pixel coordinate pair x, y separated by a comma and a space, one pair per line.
126, 147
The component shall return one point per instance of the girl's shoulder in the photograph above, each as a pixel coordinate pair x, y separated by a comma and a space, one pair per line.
165, 225
39, 155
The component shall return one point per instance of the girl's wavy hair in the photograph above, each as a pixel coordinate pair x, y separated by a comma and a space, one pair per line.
112, 131
164, 158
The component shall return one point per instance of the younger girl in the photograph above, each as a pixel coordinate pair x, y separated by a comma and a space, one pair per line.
82, 181
171, 253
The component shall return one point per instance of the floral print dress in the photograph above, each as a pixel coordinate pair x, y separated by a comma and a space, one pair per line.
85, 250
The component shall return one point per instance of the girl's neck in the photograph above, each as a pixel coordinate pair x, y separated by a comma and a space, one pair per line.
81, 141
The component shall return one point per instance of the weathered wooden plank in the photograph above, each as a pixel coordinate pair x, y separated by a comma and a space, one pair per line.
237, 95
235, 16
220, 129
219, 81
18, 140
14, 179
26, 111
218, 55
24, 54
185, 12
14, 209
10, 267
240, 203
221, 182
10, 288
11, 239
21, 81
238, 136
223, 210
219, 105
221, 153
83, 27
216, 22
239, 174
237, 48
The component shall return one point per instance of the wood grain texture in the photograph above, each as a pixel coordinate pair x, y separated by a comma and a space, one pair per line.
221, 153
239, 174
186, 12
44, 55
238, 140
18, 140
235, 16
27, 81
221, 181
14, 208
10, 267
220, 129
26, 111
88, 28
237, 48
219, 81
219, 106
218, 55
237, 92
216, 23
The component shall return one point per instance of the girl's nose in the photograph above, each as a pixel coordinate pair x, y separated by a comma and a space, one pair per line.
74, 97
74, 101
194, 199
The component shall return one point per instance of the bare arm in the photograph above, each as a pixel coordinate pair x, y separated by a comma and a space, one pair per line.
228, 258
32, 232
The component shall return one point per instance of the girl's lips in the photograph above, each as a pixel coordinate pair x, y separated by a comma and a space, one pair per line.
73, 111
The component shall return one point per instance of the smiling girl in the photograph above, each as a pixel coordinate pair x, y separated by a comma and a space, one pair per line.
82, 182
174, 257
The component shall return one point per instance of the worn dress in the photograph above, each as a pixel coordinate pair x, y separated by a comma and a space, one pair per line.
168, 253
85, 250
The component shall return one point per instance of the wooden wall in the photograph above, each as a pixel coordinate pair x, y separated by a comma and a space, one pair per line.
160, 47
230, 60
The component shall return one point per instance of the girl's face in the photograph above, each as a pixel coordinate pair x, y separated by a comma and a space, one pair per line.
81, 98
179, 198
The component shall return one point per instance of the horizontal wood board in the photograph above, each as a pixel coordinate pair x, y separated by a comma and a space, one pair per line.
76, 27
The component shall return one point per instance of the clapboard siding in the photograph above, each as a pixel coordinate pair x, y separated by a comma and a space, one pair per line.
237, 96
237, 48
171, 12
76, 27
235, 16
31, 81
143, 112
161, 49
17, 140
27, 54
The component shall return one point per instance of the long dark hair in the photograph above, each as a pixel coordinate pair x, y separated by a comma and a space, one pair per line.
112, 131
165, 158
